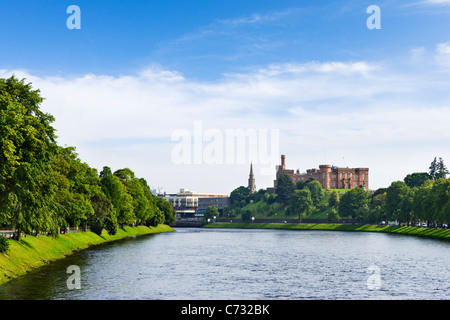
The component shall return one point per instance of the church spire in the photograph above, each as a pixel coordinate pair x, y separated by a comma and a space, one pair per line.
251, 180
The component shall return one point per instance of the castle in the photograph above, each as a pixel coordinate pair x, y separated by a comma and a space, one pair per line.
330, 177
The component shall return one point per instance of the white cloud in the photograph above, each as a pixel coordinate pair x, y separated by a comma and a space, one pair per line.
443, 54
437, 2
257, 18
429, 3
369, 113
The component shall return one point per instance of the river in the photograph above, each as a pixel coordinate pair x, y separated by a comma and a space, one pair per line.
222, 264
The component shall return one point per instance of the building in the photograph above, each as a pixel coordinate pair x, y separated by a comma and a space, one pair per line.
251, 180
192, 205
330, 177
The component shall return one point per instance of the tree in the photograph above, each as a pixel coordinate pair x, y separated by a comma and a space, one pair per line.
228, 212
433, 169
442, 170
354, 203
139, 205
239, 196
406, 206
167, 209
285, 187
72, 195
422, 202
121, 200
317, 192
169, 215
156, 219
110, 223
395, 194
301, 203
302, 184
333, 201
416, 179
246, 216
27, 142
102, 209
210, 213
440, 197
333, 216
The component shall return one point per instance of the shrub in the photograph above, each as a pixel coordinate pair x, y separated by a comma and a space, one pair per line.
4, 244
96, 226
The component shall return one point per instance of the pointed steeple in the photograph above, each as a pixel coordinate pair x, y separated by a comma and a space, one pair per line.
251, 180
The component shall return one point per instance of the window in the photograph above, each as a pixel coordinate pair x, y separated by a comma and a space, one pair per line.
340, 176
346, 175
351, 175
364, 176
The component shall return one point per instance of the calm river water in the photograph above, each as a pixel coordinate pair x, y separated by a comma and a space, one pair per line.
248, 264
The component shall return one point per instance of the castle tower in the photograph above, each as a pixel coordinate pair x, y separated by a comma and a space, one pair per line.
325, 176
251, 180
283, 162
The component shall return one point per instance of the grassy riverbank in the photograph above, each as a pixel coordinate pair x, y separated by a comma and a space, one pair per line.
32, 252
441, 234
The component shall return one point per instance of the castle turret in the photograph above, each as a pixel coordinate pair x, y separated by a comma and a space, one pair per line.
325, 176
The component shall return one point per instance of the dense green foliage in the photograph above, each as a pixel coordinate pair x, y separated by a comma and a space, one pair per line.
301, 202
4, 245
210, 213
420, 198
45, 188
285, 187
354, 203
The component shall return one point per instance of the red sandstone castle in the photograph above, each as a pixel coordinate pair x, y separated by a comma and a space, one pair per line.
330, 177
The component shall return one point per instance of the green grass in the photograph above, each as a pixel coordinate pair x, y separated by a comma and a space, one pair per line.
32, 252
441, 234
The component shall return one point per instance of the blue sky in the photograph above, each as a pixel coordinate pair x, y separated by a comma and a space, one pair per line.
205, 39
339, 93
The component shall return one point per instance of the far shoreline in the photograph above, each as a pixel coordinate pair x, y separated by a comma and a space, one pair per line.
430, 233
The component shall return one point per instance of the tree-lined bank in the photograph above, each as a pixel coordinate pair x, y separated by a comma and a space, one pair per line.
46, 188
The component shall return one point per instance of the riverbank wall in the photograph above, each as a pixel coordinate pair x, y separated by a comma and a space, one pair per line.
433, 233
32, 252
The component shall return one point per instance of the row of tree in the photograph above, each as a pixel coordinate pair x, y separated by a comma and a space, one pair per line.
45, 187
421, 196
